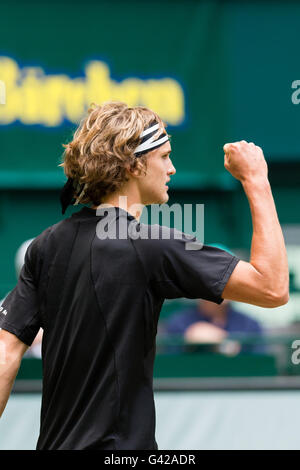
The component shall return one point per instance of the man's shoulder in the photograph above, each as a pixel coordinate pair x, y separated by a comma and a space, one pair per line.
168, 237
37, 243
37, 247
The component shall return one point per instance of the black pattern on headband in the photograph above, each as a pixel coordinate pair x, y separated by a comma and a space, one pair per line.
148, 143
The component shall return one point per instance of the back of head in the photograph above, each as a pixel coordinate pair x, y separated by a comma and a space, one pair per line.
103, 147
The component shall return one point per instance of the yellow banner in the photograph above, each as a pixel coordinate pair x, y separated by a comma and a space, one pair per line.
34, 97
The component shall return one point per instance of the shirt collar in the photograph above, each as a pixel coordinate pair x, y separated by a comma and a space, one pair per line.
88, 212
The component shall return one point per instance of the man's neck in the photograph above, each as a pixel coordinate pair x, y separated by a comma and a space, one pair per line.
124, 202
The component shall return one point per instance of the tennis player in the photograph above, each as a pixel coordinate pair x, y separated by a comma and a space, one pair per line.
98, 298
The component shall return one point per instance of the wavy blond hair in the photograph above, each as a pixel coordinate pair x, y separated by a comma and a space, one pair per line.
102, 148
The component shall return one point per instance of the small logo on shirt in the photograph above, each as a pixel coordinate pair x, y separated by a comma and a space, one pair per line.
3, 311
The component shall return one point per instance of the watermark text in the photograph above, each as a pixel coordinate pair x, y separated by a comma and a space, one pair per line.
187, 220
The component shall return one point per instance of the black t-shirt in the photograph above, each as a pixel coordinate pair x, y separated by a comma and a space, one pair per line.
98, 301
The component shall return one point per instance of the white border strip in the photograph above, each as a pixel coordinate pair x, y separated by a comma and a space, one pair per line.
148, 131
149, 145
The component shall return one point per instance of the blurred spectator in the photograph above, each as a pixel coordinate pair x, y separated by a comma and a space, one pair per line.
210, 323
35, 349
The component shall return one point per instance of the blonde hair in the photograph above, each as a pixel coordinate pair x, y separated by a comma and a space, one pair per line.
103, 147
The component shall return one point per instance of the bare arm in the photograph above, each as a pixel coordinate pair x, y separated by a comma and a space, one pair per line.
11, 353
264, 281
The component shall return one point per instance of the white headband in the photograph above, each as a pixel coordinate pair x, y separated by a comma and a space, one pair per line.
149, 142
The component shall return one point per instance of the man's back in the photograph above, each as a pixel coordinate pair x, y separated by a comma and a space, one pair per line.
98, 301
92, 373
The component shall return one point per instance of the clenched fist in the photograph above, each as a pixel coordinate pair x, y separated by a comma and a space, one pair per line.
245, 161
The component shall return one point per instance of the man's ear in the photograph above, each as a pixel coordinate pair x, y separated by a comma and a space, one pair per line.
137, 171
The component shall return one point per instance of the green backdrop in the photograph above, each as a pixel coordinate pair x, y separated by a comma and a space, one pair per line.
145, 43
216, 71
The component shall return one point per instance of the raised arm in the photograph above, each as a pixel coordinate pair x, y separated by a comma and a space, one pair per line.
264, 281
11, 353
